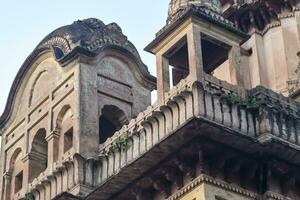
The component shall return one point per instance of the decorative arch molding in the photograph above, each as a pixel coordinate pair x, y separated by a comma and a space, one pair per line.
14, 156
65, 131
40, 132
61, 115
37, 56
136, 66
15, 170
59, 42
32, 89
112, 119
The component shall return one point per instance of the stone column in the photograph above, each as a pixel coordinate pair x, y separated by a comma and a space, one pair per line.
236, 72
53, 147
26, 171
7, 186
195, 54
2, 166
163, 77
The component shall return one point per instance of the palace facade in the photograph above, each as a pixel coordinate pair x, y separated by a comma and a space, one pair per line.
79, 123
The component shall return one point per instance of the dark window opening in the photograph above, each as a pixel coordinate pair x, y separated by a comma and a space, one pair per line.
19, 182
38, 155
214, 53
58, 53
68, 140
219, 198
111, 120
107, 129
178, 58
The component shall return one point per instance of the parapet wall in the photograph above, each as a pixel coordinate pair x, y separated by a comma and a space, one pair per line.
259, 115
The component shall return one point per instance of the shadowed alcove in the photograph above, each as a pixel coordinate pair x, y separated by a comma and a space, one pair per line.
111, 120
38, 155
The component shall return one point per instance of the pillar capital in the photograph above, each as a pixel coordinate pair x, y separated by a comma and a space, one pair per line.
7, 175
54, 134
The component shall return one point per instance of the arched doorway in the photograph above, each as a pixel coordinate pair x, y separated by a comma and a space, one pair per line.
111, 120
38, 155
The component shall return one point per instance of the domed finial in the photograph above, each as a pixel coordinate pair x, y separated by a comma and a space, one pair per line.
177, 5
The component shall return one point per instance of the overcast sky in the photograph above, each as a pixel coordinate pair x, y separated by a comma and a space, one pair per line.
25, 23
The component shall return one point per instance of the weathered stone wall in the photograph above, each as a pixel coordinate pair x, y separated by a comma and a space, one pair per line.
55, 98
273, 61
110, 79
246, 113
45, 90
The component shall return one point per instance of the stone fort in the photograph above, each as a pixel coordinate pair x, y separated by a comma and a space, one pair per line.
79, 123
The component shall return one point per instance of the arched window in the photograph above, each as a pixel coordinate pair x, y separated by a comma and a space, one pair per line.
65, 125
38, 155
111, 120
16, 169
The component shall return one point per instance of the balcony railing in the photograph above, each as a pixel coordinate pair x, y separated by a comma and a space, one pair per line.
258, 114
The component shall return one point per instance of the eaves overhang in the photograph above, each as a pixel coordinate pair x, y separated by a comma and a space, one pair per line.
196, 12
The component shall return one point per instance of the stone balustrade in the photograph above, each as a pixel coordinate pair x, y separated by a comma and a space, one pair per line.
55, 179
259, 114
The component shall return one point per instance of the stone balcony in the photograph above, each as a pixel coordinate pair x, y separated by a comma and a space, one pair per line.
249, 120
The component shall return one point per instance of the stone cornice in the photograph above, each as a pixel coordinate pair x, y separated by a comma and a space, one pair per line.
213, 181
260, 16
272, 195
202, 179
53, 135
200, 13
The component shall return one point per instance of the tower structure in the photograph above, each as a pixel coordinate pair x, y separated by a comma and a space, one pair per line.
195, 42
274, 43
81, 84
92, 134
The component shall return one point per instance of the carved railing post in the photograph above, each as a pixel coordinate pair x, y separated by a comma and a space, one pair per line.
141, 194
185, 168
201, 158
161, 185
173, 176
265, 124
199, 99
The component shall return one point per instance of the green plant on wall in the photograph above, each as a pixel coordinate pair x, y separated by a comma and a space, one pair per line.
29, 196
230, 99
252, 102
121, 143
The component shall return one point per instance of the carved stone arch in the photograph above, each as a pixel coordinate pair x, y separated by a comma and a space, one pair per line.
14, 156
22, 85
64, 126
32, 88
136, 67
59, 45
15, 184
112, 119
38, 159
61, 115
